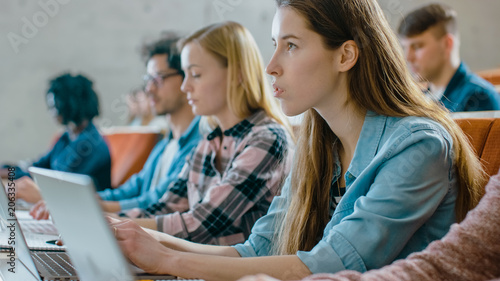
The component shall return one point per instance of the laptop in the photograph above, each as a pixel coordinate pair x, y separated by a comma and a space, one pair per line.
42, 265
40, 227
89, 240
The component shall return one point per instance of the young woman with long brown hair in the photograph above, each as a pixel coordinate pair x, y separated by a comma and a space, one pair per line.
379, 170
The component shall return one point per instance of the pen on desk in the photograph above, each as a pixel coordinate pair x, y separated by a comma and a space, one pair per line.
54, 242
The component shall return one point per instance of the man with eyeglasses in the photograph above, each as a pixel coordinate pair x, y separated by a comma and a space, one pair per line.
163, 86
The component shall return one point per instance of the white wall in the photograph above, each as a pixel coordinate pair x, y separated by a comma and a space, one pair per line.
102, 40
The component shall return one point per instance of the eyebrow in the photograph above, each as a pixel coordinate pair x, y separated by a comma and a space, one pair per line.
287, 36
191, 66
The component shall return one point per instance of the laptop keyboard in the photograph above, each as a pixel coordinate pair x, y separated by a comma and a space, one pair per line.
57, 263
43, 227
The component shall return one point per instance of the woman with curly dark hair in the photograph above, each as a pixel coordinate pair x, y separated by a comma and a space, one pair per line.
81, 149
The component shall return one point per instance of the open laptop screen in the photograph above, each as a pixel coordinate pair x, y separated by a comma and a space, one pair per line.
11, 232
78, 216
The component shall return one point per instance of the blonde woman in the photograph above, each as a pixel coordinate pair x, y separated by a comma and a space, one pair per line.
234, 173
379, 171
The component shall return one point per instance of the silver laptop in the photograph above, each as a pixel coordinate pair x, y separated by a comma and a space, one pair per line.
42, 265
78, 216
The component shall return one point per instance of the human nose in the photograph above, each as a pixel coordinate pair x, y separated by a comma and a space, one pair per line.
274, 68
150, 86
410, 54
186, 85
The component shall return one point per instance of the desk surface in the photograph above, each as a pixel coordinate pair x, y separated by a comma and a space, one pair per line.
476, 114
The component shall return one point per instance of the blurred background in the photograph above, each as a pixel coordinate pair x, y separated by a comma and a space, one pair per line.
102, 39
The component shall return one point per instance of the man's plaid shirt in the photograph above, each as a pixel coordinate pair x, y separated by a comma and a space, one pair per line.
208, 207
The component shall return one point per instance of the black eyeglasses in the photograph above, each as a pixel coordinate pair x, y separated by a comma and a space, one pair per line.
159, 78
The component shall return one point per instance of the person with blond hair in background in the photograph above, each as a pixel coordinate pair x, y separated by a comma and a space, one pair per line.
142, 113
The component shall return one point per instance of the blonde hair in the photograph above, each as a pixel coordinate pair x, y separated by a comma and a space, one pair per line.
379, 82
248, 89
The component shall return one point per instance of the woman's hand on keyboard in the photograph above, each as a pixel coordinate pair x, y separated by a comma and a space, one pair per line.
39, 211
139, 247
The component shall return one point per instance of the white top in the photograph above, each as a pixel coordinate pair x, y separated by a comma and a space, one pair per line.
436, 93
165, 162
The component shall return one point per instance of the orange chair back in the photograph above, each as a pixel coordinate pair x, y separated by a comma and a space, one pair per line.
129, 152
484, 135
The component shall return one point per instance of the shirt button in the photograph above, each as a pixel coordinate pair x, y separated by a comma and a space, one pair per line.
225, 147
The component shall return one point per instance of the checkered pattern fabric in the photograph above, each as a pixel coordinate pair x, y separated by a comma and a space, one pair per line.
217, 199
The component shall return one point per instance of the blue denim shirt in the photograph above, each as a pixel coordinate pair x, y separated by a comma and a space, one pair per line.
88, 154
469, 92
135, 192
400, 195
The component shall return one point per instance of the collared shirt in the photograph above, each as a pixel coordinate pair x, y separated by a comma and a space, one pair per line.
212, 207
400, 195
137, 192
469, 92
87, 154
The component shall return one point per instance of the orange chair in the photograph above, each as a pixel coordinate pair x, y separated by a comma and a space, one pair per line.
491, 75
484, 135
491, 151
129, 151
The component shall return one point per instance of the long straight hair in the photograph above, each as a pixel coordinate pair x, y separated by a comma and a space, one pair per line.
379, 82
248, 89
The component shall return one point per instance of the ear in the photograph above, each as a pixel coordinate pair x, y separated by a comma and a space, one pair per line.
449, 41
349, 53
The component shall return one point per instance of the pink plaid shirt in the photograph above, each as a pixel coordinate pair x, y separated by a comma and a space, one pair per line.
210, 207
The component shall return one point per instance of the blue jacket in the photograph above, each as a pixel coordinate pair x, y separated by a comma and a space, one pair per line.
469, 92
88, 154
401, 189
136, 192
